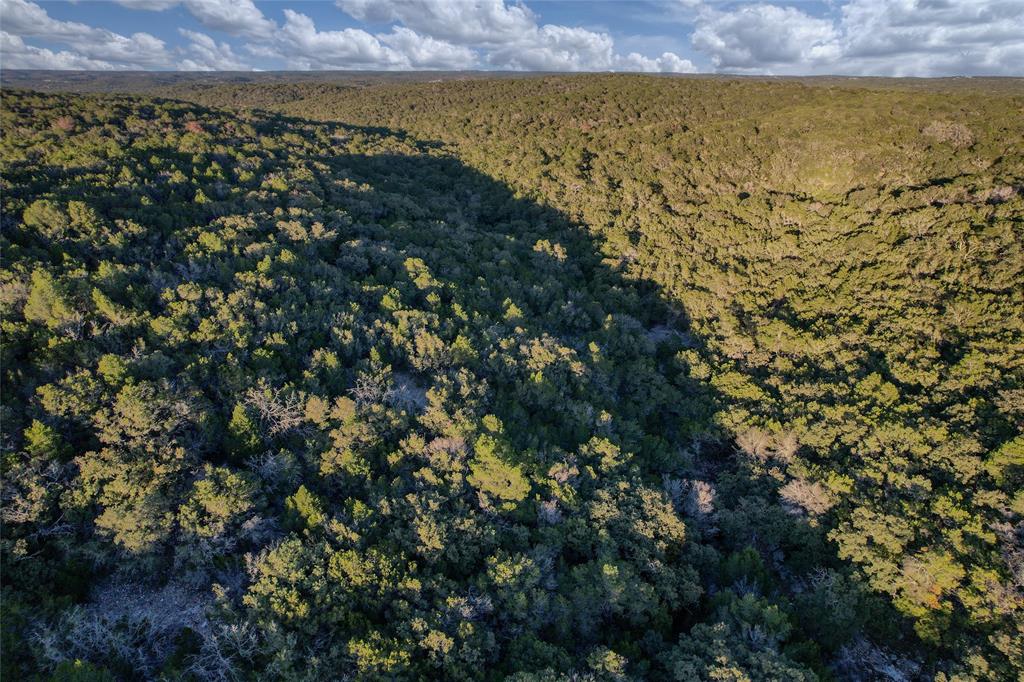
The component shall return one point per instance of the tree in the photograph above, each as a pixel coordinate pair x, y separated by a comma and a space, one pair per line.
304, 510
48, 302
498, 483
243, 438
219, 503
47, 218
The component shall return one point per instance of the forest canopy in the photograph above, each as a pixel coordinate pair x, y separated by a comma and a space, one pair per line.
560, 378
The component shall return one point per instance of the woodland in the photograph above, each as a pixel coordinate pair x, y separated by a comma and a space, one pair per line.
540, 379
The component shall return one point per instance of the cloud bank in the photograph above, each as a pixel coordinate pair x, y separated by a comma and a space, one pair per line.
868, 37
855, 37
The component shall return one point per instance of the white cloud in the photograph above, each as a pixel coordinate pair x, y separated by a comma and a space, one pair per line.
297, 44
235, 17
467, 22
424, 52
763, 38
563, 48
668, 62
206, 54
933, 37
153, 5
509, 35
89, 45
431, 35
304, 47
868, 37
855, 37
15, 54
556, 48
301, 46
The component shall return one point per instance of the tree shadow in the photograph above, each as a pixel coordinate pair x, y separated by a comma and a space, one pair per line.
614, 354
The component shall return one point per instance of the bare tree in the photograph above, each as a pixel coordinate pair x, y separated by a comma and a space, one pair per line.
700, 498
224, 651
800, 496
277, 411
756, 443
370, 389
548, 512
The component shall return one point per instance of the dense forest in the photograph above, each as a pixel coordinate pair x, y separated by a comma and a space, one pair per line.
540, 379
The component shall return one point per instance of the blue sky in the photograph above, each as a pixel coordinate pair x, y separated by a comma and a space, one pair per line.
851, 37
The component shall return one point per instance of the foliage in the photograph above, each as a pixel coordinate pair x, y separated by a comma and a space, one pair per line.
624, 378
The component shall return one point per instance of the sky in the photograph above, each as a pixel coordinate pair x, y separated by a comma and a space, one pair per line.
847, 37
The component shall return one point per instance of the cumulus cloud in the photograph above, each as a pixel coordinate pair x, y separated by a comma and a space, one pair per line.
479, 23
423, 34
235, 17
668, 62
15, 54
424, 52
555, 48
91, 47
867, 37
94, 48
564, 48
929, 37
763, 38
301, 46
296, 44
304, 47
206, 54
154, 5
510, 35
852, 37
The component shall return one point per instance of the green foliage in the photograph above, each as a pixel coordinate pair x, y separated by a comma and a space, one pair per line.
873, 320
499, 482
43, 443
220, 499
48, 302
47, 218
303, 510
598, 377
243, 438
80, 671
718, 652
